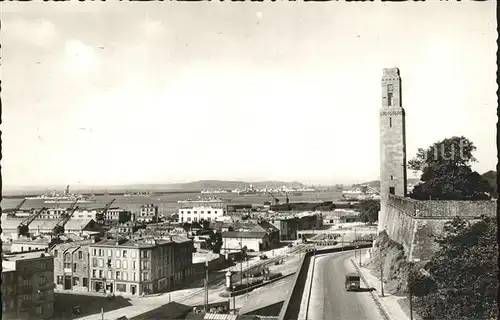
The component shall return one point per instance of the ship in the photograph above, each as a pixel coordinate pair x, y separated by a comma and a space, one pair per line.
215, 191
248, 191
67, 197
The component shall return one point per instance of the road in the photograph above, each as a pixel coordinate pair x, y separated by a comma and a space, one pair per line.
329, 300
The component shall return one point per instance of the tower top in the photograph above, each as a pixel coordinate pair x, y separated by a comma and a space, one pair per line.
391, 72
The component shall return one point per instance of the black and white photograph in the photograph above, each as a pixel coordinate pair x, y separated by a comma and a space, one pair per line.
249, 160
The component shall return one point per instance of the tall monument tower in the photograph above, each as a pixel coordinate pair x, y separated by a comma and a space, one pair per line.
392, 141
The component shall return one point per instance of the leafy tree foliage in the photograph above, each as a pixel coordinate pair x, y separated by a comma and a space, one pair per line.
446, 172
461, 279
215, 243
368, 210
491, 177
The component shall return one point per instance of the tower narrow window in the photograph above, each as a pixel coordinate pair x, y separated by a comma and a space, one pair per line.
392, 178
390, 100
391, 190
390, 122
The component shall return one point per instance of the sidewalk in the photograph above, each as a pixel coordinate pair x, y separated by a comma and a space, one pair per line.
191, 296
390, 303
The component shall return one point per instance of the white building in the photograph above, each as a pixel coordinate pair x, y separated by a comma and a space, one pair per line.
208, 209
148, 213
56, 213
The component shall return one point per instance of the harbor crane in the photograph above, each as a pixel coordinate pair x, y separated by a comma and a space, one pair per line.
13, 211
23, 228
276, 200
106, 208
287, 199
59, 227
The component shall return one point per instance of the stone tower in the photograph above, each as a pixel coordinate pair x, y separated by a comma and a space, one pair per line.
392, 141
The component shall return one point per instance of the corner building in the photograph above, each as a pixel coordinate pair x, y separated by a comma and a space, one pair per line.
137, 267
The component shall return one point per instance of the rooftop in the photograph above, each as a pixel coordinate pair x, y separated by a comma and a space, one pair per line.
139, 243
25, 255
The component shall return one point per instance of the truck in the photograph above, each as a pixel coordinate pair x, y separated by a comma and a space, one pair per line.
352, 281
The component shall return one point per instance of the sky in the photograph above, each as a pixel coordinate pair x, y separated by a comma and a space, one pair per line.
123, 93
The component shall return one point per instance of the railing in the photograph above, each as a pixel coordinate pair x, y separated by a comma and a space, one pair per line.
291, 306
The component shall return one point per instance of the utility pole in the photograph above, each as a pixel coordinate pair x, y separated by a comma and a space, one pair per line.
248, 283
381, 278
411, 304
206, 286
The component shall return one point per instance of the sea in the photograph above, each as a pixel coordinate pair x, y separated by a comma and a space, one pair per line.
167, 203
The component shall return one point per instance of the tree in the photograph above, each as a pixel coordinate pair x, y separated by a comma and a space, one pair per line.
491, 177
215, 242
463, 273
446, 172
368, 210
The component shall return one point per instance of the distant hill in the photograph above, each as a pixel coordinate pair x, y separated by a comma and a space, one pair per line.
188, 186
376, 183
221, 184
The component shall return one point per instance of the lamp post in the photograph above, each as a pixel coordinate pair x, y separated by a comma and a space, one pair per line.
381, 277
234, 300
411, 304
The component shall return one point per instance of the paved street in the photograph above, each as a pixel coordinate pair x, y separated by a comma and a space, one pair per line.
329, 300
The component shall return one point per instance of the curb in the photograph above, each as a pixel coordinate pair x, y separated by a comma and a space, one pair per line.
385, 313
310, 286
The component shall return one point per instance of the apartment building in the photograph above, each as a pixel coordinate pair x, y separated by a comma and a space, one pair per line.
209, 209
28, 285
117, 215
139, 266
148, 213
71, 265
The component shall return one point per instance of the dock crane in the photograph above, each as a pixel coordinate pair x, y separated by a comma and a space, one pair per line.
106, 208
276, 200
16, 209
23, 228
287, 199
59, 227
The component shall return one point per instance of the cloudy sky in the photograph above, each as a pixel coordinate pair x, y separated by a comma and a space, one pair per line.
103, 93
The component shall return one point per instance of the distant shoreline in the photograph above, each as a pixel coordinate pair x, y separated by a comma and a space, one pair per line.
156, 193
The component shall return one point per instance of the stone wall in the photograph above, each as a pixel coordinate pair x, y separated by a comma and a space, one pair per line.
414, 224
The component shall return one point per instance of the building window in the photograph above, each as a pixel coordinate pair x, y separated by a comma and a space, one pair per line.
55, 252
110, 274
118, 253
76, 281
118, 275
95, 252
93, 273
101, 263
144, 254
133, 264
391, 190
80, 255
110, 253
133, 276
392, 178
124, 253
101, 274
94, 262
74, 267
86, 282
125, 266
43, 266
145, 265
118, 266
125, 276
60, 279
101, 253
145, 276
